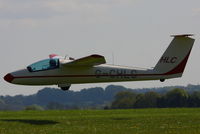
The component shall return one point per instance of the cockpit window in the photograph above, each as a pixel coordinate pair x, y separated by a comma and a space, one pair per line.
44, 65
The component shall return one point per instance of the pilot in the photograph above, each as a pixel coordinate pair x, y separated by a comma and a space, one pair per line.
52, 63
30, 69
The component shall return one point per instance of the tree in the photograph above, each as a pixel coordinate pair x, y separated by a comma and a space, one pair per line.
176, 98
147, 100
2, 105
55, 106
124, 100
34, 107
194, 99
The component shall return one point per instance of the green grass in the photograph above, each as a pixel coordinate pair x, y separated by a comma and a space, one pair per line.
139, 121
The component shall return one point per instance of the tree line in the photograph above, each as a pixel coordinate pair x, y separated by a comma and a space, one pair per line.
94, 98
174, 98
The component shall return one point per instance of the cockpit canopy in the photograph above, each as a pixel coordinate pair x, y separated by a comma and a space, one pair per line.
42, 65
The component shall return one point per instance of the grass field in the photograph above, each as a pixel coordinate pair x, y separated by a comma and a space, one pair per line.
139, 121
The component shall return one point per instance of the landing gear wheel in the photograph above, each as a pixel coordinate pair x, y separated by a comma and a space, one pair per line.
162, 80
65, 88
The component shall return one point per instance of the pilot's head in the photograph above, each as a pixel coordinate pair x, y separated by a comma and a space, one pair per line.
52, 63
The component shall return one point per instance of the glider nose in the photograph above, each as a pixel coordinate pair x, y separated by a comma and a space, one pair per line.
9, 78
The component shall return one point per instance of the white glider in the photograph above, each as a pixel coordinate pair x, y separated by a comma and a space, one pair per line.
63, 72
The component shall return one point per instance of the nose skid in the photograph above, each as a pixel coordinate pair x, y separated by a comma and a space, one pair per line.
9, 78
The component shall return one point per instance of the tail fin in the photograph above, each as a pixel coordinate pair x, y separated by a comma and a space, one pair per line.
174, 59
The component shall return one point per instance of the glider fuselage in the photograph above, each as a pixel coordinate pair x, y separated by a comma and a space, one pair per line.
92, 69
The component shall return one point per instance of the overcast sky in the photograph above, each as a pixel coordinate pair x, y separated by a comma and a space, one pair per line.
137, 32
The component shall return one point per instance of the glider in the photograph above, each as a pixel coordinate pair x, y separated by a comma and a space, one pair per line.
57, 70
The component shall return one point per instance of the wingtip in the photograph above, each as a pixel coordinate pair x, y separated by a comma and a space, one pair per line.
182, 35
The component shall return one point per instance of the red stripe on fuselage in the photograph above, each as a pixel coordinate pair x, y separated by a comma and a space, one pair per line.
104, 75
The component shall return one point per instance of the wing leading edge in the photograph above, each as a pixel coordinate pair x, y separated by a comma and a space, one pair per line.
91, 60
